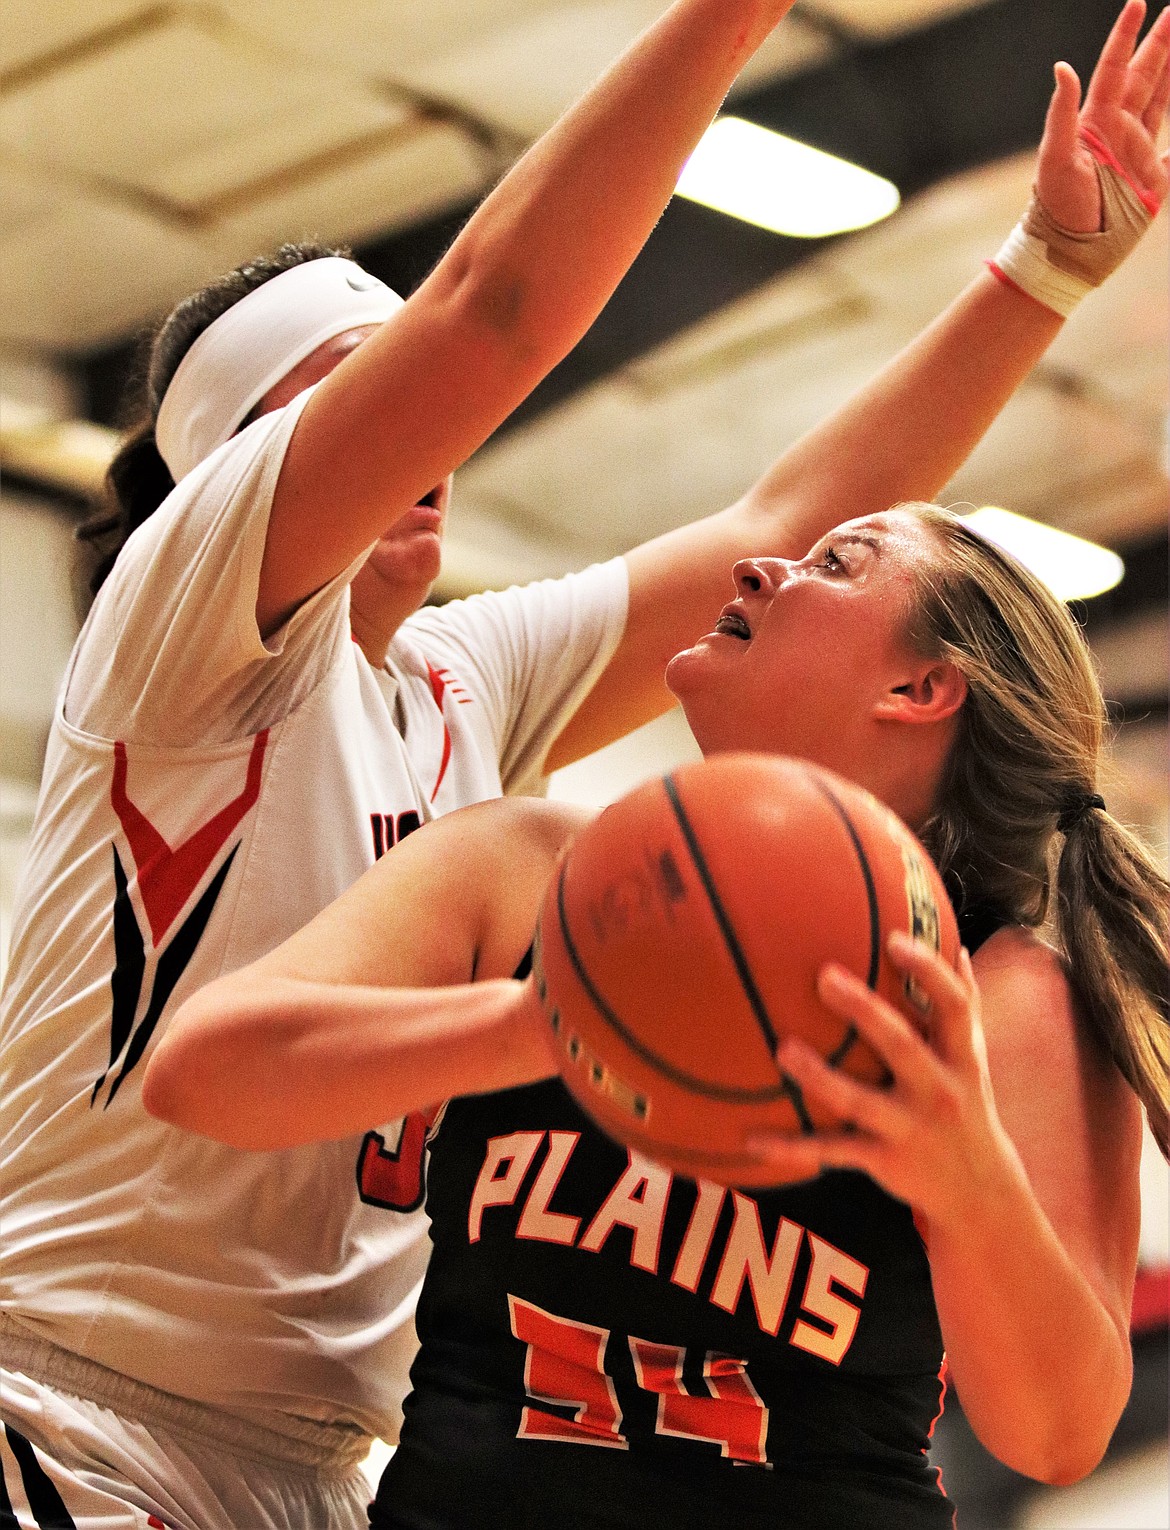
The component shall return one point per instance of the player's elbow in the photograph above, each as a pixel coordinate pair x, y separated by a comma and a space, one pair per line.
193, 1078
1066, 1462
1071, 1441
515, 324
1057, 1460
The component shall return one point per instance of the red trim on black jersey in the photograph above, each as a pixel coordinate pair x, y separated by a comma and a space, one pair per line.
1151, 1299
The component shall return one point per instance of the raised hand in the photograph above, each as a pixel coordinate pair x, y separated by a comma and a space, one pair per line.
1122, 115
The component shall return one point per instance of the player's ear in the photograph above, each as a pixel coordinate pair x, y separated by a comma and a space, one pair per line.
926, 692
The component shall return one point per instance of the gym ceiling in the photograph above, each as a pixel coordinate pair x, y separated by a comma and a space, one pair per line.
144, 148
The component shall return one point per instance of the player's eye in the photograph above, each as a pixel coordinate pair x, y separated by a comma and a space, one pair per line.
830, 561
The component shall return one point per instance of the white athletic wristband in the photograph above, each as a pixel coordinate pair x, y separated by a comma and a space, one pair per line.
1059, 266
1023, 261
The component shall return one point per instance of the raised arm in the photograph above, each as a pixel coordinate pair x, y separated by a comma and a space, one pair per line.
906, 433
394, 998
518, 288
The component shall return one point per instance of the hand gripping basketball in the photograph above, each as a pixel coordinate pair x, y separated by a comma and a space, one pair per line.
680, 941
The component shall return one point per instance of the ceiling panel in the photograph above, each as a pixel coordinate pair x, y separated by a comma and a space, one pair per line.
1117, 337
319, 128
887, 18
687, 427
79, 271
376, 40
914, 262
620, 462
525, 75
1125, 502
172, 103
89, 271
25, 198
433, 168
273, 121
1131, 657
794, 45
1071, 461
29, 32
813, 298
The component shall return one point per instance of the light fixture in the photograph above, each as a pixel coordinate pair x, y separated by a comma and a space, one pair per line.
1072, 568
749, 172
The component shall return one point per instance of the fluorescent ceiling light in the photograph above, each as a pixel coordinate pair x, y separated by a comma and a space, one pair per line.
749, 172
1072, 568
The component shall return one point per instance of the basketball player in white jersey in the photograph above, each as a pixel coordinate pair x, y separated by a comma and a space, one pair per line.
198, 1337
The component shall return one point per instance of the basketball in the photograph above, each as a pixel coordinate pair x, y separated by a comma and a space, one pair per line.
680, 940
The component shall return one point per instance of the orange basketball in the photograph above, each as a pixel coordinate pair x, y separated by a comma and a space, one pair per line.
681, 936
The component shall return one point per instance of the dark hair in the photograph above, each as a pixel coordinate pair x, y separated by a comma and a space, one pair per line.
138, 480
1020, 817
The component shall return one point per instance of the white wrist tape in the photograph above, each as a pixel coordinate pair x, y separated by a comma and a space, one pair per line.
1059, 266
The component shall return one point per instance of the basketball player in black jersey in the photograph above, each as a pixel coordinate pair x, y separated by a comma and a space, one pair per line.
603, 1344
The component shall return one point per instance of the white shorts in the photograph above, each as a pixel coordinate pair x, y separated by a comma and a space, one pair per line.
69, 1462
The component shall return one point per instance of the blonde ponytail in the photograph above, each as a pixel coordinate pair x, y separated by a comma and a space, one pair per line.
1020, 815
1110, 918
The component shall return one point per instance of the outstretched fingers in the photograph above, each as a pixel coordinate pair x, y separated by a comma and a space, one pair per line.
1155, 111
1110, 79
891, 1133
789, 1160
1146, 75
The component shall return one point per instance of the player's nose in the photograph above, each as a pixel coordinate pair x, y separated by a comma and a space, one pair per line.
760, 576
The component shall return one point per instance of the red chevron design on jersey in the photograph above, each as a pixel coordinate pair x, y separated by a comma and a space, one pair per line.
442, 682
166, 877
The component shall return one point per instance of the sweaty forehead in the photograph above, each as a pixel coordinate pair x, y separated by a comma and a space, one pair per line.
891, 532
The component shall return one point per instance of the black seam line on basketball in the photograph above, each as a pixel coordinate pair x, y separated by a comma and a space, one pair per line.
788, 1085
875, 923
837, 1056
667, 1069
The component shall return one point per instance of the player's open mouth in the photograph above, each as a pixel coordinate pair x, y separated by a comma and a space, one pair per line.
431, 500
732, 624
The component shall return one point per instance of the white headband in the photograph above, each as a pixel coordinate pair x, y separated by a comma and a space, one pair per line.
248, 349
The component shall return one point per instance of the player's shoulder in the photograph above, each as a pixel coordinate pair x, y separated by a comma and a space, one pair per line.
1031, 1013
1020, 973
516, 825
485, 840
1015, 954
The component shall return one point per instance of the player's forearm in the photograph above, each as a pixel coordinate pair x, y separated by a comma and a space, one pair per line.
516, 291
1041, 1366
905, 434
547, 248
270, 1063
901, 437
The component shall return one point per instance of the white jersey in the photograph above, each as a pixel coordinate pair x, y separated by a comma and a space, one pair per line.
205, 794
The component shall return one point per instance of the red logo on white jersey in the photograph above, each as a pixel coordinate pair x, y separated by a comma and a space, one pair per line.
442, 683
166, 880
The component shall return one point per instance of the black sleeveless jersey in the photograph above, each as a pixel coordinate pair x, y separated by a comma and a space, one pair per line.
605, 1344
